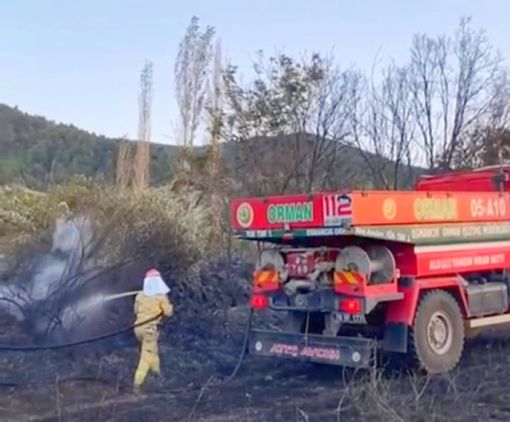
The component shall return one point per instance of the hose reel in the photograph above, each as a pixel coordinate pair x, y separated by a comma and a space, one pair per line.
376, 263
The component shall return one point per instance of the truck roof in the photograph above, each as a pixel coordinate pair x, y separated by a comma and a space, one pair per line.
482, 179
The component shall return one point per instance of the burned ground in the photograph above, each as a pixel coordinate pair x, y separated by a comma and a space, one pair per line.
200, 346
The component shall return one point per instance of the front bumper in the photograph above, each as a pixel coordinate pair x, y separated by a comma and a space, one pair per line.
341, 351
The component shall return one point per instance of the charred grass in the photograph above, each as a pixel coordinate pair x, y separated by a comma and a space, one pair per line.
86, 384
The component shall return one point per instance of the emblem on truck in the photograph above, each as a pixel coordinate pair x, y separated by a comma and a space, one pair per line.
389, 208
244, 215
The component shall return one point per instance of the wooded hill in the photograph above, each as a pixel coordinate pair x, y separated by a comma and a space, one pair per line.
38, 152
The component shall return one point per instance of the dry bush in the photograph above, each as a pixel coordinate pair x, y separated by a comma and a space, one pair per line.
154, 226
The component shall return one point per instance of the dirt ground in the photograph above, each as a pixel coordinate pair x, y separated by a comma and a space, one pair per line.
93, 383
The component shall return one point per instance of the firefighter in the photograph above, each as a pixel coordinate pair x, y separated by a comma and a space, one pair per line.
152, 302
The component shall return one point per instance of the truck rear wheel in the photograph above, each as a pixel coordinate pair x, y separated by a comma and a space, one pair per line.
437, 336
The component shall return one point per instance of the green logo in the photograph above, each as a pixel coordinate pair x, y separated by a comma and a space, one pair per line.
245, 215
290, 213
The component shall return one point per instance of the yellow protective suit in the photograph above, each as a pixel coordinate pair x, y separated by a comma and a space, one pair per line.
148, 307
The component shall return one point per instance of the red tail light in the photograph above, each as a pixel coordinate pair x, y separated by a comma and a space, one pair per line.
350, 306
259, 302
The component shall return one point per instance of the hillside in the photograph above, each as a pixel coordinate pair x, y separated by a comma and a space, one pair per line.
38, 152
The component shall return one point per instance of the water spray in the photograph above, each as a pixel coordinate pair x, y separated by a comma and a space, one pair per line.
88, 307
119, 295
96, 300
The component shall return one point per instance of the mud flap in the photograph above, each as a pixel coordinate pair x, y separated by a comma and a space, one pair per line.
341, 351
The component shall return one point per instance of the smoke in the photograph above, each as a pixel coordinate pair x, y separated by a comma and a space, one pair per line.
60, 294
68, 260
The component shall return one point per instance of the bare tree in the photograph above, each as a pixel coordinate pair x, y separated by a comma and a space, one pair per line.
401, 123
142, 156
124, 165
489, 143
424, 86
215, 111
292, 119
453, 82
214, 176
191, 71
383, 127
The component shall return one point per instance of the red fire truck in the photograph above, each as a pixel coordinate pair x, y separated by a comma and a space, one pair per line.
409, 273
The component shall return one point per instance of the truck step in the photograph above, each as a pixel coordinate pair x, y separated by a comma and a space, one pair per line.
488, 321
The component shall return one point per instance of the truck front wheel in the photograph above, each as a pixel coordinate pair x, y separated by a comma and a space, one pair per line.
437, 335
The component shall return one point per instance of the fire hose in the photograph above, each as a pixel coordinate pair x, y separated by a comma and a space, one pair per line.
231, 376
4, 348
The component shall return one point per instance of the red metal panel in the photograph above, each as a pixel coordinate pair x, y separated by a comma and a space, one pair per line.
478, 180
297, 211
372, 208
273, 213
405, 259
455, 259
403, 311
400, 208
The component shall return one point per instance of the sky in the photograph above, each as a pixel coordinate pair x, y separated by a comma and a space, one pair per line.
79, 61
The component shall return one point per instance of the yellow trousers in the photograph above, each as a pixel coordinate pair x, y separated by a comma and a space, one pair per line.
147, 336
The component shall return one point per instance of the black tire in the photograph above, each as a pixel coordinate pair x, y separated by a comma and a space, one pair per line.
437, 350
